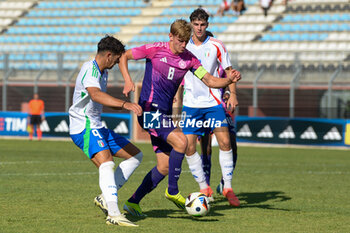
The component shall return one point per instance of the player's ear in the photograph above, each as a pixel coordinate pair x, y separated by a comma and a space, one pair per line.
171, 36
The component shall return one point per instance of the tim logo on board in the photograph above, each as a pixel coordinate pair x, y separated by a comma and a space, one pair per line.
151, 120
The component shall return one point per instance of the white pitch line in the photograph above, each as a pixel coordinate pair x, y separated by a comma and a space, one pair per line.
50, 161
50, 174
36, 162
184, 171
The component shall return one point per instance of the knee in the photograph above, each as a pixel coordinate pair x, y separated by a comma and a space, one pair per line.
190, 149
163, 169
225, 144
181, 144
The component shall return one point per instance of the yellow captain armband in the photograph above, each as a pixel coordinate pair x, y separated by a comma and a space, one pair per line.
200, 72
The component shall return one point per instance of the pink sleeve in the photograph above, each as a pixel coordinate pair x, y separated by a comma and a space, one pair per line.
144, 51
195, 63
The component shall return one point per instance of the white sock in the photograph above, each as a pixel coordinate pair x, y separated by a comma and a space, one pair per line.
195, 164
108, 187
126, 168
226, 164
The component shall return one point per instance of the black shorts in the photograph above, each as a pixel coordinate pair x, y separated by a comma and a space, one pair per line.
35, 119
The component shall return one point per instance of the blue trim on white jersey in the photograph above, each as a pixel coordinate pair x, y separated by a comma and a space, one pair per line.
205, 41
98, 68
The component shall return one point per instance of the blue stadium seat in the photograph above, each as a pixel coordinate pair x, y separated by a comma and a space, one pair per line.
277, 28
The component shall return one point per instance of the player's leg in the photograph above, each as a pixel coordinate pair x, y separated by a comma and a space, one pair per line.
154, 176
31, 127
225, 154
226, 160
195, 164
149, 183
178, 141
205, 143
38, 132
37, 125
31, 131
193, 158
121, 148
104, 161
94, 144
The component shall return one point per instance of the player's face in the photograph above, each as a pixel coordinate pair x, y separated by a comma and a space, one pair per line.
177, 45
199, 28
112, 59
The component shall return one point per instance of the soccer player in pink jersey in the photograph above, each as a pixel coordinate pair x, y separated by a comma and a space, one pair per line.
166, 65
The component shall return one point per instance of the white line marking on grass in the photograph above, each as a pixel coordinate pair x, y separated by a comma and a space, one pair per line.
69, 173
49, 161
51, 174
35, 162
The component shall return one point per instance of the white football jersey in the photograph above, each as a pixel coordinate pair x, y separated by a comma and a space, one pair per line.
211, 54
85, 113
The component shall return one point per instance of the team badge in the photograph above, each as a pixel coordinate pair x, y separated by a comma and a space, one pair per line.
207, 53
182, 64
101, 143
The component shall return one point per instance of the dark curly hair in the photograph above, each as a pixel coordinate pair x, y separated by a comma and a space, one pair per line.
112, 44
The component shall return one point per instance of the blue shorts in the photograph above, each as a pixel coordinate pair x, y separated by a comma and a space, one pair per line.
200, 121
159, 129
93, 141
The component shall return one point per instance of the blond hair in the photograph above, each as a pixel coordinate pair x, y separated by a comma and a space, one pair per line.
182, 29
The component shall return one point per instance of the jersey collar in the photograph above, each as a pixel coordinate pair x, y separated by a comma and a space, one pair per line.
98, 68
205, 41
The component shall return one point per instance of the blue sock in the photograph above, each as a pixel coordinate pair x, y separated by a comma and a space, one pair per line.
206, 164
150, 182
175, 162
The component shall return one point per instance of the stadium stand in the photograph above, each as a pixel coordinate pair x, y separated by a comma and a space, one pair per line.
75, 26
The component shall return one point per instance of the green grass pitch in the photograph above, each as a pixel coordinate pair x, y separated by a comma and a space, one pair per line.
49, 186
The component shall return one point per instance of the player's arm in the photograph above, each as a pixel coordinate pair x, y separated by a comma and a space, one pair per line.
123, 67
107, 100
214, 82
232, 101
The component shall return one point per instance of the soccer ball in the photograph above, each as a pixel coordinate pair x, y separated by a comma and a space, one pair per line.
197, 204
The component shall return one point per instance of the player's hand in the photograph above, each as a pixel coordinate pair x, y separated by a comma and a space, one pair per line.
232, 103
234, 75
225, 97
133, 107
129, 86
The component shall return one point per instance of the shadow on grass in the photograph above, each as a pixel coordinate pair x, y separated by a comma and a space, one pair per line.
175, 213
248, 200
254, 200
